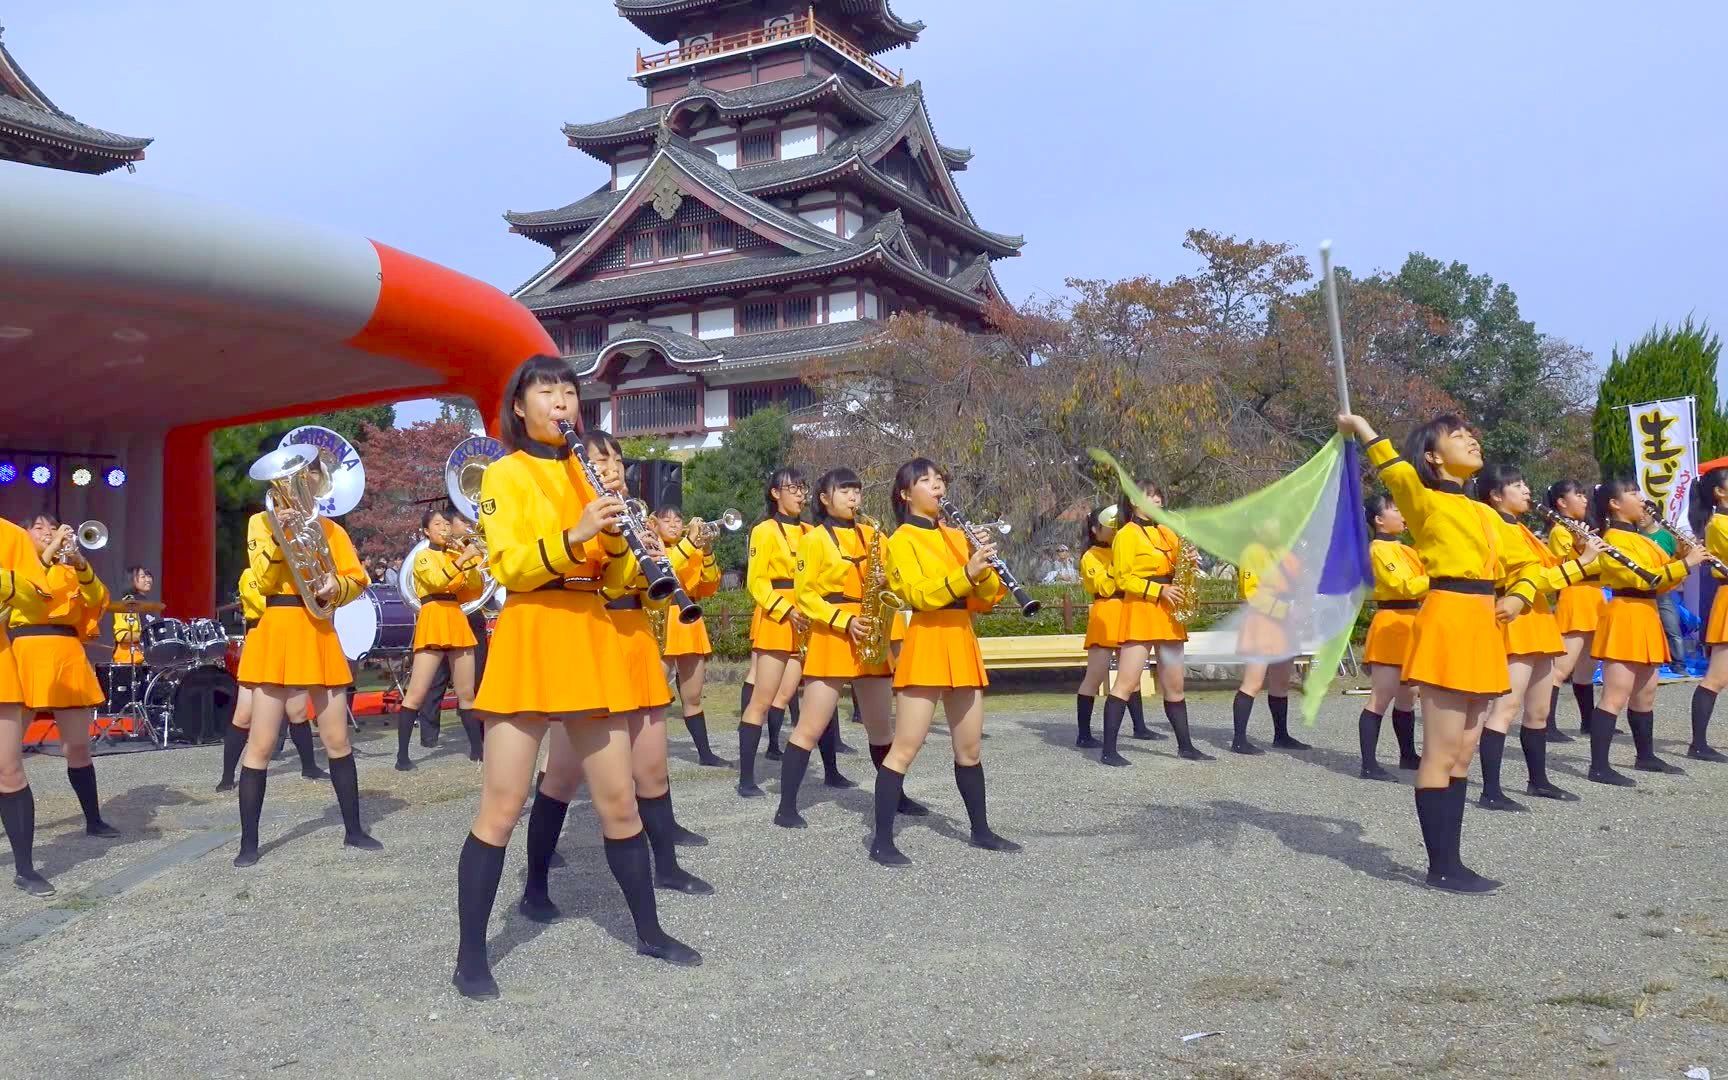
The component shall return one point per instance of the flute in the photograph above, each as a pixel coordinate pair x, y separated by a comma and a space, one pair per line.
1028, 606
1583, 531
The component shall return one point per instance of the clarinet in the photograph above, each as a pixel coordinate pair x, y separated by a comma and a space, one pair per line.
1028, 605
662, 582
1584, 532
1685, 536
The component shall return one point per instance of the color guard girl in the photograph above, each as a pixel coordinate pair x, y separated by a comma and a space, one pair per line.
776, 625
687, 646
1262, 584
445, 576
1577, 613
1710, 519
1400, 583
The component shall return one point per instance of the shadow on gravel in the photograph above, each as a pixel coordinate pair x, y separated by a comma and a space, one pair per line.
133, 813
583, 889
374, 807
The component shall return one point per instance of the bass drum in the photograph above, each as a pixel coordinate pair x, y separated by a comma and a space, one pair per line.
377, 623
192, 706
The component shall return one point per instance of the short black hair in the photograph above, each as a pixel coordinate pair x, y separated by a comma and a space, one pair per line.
1492, 480
1703, 497
133, 571
535, 371
831, 481
1606, 492
784, 476
1420, 442
434, 512
1560, 489
668, 508
1090, 536
907, 475
1125, 506
1375, 505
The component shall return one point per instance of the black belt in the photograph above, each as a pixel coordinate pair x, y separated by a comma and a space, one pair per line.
780, 583
284, 601
1399, 605
1163, 579
625, 603
46, 630
1635, 594
429, 597
957, 605
568, 585
251, 625
840, 598
1472, 586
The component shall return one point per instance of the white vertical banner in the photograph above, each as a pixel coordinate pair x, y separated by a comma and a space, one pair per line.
1665, 450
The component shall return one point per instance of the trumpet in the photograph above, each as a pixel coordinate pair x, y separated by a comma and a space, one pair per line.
1686, 537
90, 535
704, 533
1583, 531
1028, 606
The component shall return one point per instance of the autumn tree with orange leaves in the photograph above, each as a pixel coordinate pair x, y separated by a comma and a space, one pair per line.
404, 476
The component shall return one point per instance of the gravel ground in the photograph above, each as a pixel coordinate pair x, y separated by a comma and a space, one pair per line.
1270, 899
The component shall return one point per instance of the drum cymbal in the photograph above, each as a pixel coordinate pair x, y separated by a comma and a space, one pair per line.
138, 607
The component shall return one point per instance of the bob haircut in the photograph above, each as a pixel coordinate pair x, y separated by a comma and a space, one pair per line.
783, 477
1492, 480
1421, 442
535, 371
1373, 506
830, 482
909, 474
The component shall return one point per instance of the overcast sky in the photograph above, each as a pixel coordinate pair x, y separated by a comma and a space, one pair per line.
1573, 150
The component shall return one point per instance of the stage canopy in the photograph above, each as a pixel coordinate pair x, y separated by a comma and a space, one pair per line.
134, 323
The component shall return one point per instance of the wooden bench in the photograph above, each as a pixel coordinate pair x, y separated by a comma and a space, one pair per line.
1067, 652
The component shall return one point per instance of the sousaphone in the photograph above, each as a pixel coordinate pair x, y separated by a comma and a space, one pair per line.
463, 471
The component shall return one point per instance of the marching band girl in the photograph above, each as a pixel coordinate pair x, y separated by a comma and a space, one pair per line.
1143, 555
1629, 639
555, 656
20, 594
129, 625
1577, 613
777, 624
1710, 495
445, 576
687, 646
829, 589
1103, 622
291, 653
1262, 583
1400, 583
944, 576
240, 724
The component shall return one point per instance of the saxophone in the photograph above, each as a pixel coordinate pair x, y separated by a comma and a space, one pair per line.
880, 604
657, 626
1186, 576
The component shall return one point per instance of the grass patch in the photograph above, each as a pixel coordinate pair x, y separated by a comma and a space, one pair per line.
1718, 970
1658, 986
79, 904
1710, 1007
992, 1058
1615, 1000
1445, 994
1243, 988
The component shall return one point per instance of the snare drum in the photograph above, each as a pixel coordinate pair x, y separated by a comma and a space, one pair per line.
377, 623
209, 642
167, 643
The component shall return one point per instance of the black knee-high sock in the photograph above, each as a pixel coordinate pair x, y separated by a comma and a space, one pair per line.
1643, 725
879, 754
970, 780
476, 732
478, 872
1554, 707
1368, 737
1492, 752
792, 706
1114, 707
1431, 816
749, 737
1083, 714
83, 782
662, 830
405, 721
745, 693
776, 717
1585, 694
889, 785
233, 742
1177, 713
1137, 712
829, 746
1404, 728
18, 815
1703, 704
794, 763
628, 861
1241, 711
345, 778
251, 799
1280, 708
1601, 738
281, 739
545, 825
1534, 742
697, 725
302, 736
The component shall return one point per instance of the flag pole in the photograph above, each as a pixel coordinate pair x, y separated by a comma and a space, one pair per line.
1335, 327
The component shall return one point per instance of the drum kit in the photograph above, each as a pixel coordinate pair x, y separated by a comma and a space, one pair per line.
183, 692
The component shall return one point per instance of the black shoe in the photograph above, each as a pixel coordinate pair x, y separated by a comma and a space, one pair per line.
670, 950
1705, 753
100, 828
911, 808
539, 908
1111, 757
404, 765
33, 883
989, 841
1143, 734
888, 855
1459, 870
1285, 742
1375, 772
1459, 883
226, 784
314, 773
790, 819
1549, 791
682, 837
1498, 800
1609, 776
713, 759
1555, 735
682, 881
1243, 746
557, 861
837, 781
365, 841
1087, 742
1656, 765
1409, 764
246, 857
750, 791
773, 753
1193, 754
476, 985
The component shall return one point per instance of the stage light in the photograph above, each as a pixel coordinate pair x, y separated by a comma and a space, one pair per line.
41, 475
81, 477
114, 477
8, 472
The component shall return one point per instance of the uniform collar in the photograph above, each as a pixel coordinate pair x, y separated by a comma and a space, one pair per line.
919, 522
787, 519
1624, 526
1450, 487
1509, 519
536, 448
1100, 547
1388, 537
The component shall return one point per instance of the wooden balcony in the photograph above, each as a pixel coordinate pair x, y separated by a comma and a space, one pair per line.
801, 26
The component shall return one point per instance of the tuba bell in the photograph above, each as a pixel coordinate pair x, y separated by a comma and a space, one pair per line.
295, 486
464, 470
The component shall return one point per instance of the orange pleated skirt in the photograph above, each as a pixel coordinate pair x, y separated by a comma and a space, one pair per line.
902, 619
1456, 644
1630, 632
554, 653
766, 635
1580, 609
1148, 620
442, 626
642, 676
687, 639
1104, 623
1389, 637
54, 673
291, 648
11, 690
1260, 635
1534, 633
1716, 630
833, 656
941, 652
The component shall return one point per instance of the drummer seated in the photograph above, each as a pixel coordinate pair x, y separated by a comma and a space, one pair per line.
129, 625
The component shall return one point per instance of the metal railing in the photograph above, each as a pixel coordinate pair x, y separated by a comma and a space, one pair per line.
801, 26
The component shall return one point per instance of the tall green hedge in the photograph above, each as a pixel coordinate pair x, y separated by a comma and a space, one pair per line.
1664, 363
